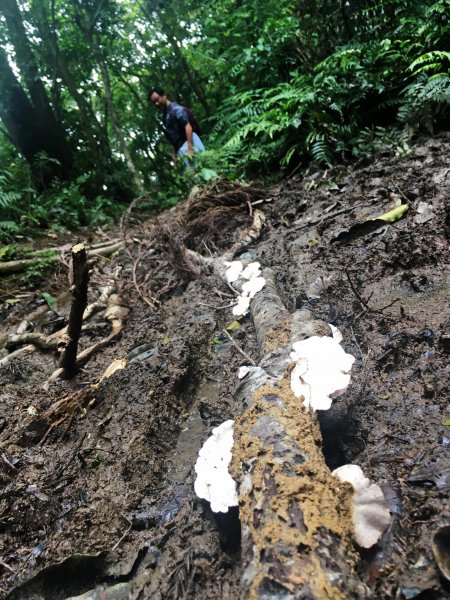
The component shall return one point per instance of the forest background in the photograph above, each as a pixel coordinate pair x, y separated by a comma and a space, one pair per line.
274, 84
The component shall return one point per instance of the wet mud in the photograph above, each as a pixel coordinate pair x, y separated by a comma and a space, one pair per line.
99, 502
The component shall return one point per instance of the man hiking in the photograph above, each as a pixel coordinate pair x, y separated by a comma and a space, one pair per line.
180, 126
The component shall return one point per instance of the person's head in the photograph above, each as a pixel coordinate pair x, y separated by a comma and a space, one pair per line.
158, 96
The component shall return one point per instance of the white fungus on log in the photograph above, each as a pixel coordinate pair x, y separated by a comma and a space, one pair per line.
253, 286
242, 306
234, 270
243, 371
321, 372
371, 515
337, 335
254, 283
252, 270
214, 483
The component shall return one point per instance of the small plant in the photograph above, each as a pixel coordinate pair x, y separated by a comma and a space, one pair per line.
36, 272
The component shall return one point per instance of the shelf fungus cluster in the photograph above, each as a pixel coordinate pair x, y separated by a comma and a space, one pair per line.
250, 280
321, 372
214, 483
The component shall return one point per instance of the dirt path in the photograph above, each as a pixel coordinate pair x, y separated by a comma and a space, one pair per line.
106, 498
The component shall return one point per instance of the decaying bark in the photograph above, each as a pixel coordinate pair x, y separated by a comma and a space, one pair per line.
295, 516
79, 288
17, 266
51, 255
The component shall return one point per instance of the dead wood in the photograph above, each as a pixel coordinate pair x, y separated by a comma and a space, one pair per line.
40, 256
54, 338
79, 287
295, 516
17, 266
41, 341
116, 313
106, 250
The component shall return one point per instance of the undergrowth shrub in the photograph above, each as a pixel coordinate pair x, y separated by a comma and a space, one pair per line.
61, 208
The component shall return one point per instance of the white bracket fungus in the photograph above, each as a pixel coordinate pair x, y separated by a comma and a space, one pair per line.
252, 270
242, 306
322, 371
234, 270
243, 371
371, 515
214, 483
337, 335
253, 285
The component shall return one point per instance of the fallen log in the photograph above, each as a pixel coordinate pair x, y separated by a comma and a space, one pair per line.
295, 515
52, 255
17, 266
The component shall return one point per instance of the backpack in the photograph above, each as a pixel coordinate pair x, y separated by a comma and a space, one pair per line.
193, 122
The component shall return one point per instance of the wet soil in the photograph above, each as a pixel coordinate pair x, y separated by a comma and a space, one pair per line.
103, 501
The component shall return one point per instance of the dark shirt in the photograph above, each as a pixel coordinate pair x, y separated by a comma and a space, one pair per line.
175, 119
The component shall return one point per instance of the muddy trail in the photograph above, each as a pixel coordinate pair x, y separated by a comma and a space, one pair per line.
97, 472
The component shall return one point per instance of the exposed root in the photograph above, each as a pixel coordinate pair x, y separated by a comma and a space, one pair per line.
65, 410
182, 261
214, 214
36, 340
116, 314
41, 341
173, 248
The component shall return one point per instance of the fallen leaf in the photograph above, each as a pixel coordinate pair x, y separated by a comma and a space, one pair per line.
370, 225
51, 300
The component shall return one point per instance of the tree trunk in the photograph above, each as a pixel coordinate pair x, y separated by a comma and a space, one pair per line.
95, 137
168, 29
113, 114
22, 123
52, 137
295, 516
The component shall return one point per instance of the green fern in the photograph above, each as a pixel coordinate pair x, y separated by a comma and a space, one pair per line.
7, 197
9, 226
430, 62
425, 99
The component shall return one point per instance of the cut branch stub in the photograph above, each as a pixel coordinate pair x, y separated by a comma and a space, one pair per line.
79, 288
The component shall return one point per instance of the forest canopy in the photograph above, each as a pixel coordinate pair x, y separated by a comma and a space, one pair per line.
274, 84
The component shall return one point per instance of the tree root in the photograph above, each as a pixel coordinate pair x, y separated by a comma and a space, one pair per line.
50, 342
116, 314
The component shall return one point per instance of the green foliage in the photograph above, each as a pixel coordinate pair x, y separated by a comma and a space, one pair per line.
63, 207
36, 272
274, 84
428, 97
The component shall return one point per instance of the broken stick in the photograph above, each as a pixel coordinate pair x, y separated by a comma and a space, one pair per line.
79, 288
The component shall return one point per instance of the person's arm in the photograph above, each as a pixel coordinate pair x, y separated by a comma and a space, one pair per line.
189, 131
